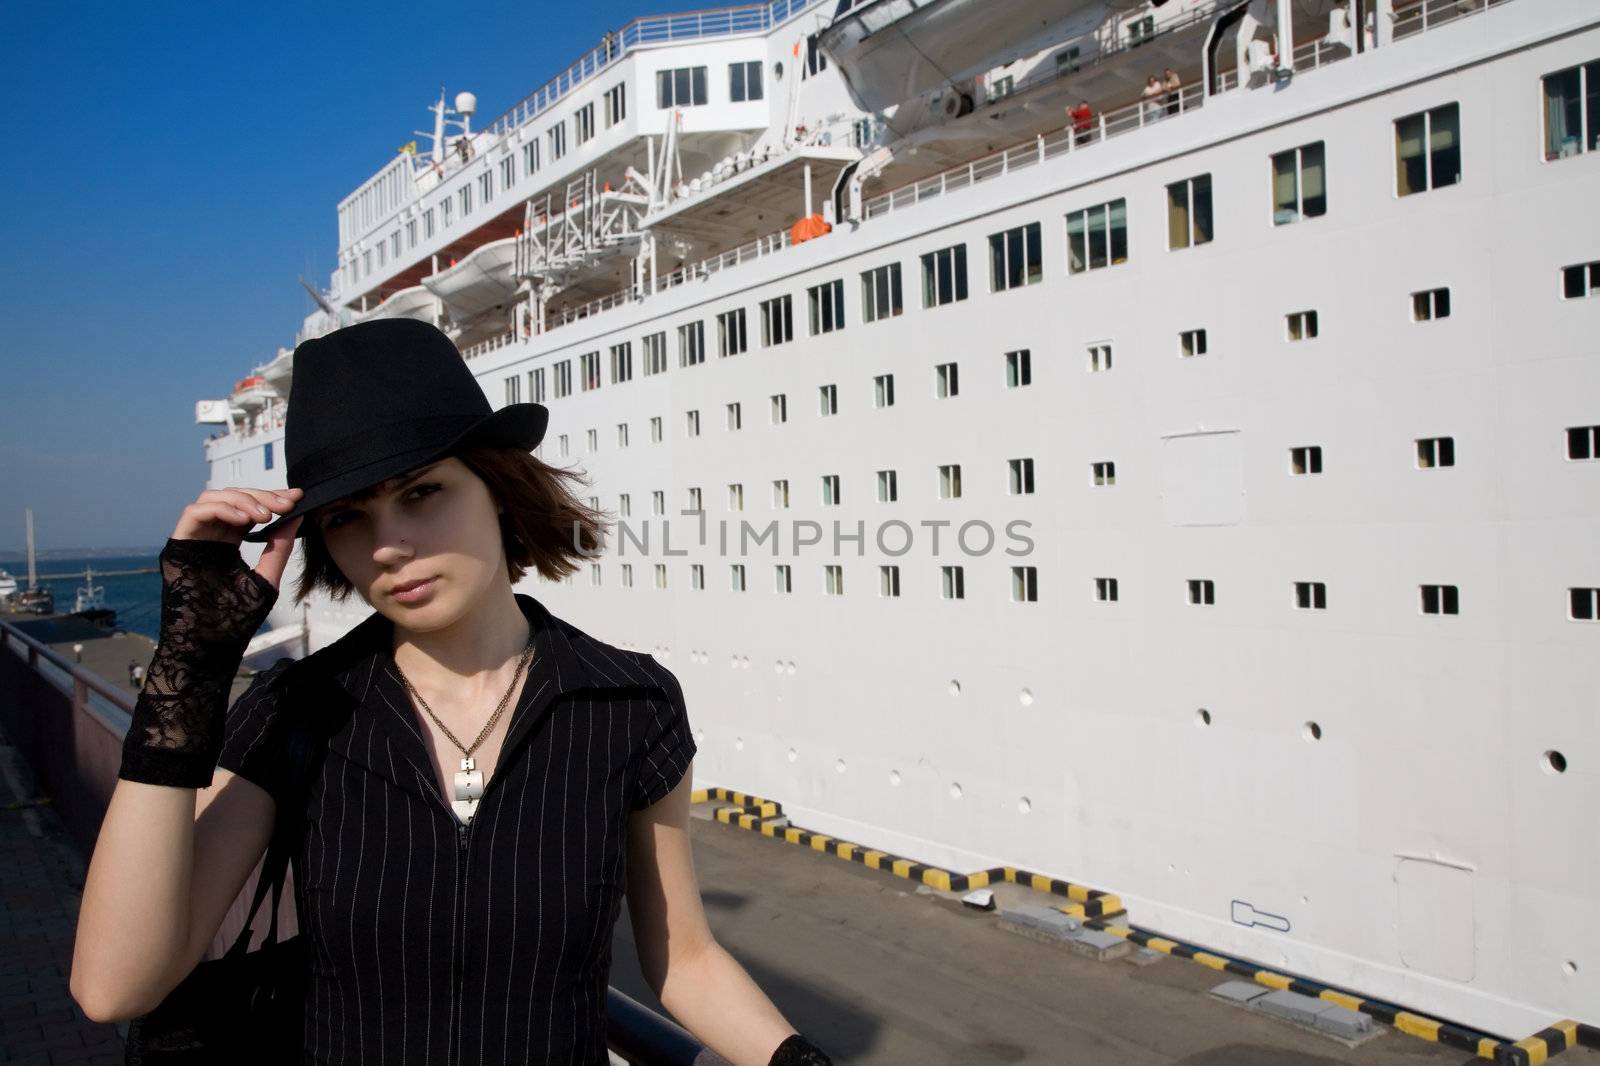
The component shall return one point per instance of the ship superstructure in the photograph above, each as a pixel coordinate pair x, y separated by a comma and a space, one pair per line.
1189, 490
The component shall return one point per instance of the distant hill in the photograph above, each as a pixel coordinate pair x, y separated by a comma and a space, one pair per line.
10, 557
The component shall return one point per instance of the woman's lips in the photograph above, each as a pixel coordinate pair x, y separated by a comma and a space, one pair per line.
416, 593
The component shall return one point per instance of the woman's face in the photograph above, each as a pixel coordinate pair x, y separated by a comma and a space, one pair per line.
438, 524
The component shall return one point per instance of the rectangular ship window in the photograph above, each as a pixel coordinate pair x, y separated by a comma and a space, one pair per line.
1580, 280
744, 81
730, 332
1571, 103
655, 353
888, 581
944, 276
681, 87
883, 390
1014, 258
1583, 442
1430, 304
954, 582
1024, 584
1189, 212
1440, 599
1427, 150
1305, 460
1436, 451
1299, 184
950, 481
1019, 368
827, 307
691, 343
616, 104
1021, 476
1097, 236
777, 321
880, 293
1311, 595
622, 362
1301, 325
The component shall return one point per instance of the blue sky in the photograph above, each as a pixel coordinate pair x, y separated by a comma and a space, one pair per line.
174, 168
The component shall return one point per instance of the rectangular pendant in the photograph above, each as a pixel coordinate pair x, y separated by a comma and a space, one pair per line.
464, 809
469, 784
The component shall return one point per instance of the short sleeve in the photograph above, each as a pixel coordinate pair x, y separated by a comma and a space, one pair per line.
254, 742
669, 747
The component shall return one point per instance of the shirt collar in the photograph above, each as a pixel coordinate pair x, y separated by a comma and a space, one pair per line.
571, 658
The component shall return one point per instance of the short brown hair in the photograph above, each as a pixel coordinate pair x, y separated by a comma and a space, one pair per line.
542, 528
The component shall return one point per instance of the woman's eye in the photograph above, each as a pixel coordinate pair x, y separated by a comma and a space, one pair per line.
426, 490
334, 521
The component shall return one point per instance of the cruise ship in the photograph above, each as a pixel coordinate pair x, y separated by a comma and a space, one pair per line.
1151, 442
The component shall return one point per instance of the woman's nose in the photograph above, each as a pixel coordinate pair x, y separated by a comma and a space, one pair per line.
390, 541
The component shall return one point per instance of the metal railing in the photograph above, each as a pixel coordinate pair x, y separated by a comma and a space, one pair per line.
648, 30
499, 340
1409, 20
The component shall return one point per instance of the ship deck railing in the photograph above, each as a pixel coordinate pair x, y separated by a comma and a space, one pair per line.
1410, 19
643, 32
69, 722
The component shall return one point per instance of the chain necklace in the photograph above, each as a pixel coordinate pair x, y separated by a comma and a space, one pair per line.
469, 779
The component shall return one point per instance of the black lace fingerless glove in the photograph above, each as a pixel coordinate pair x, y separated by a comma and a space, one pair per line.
212, 603
798, 1051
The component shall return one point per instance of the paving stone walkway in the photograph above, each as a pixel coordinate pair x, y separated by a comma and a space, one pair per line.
41, 877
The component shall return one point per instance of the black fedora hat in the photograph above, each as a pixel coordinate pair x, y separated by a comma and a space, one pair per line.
374, 400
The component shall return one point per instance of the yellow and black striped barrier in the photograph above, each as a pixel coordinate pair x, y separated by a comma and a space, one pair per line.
760, 815
1553, 1040
1530, 1052
1097, 909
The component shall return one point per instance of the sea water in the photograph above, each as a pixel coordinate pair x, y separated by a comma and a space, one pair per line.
135, 597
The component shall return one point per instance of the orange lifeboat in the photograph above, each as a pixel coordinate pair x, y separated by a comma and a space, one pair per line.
807, 228
249, 382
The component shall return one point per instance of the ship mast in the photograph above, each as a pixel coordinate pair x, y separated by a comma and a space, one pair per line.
33, 573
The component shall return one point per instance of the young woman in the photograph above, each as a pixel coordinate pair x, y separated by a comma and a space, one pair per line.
488, 781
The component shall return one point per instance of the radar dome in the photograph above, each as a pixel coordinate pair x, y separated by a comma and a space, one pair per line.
466, 103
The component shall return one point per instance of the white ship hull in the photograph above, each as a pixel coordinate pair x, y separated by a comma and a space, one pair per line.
1363, 794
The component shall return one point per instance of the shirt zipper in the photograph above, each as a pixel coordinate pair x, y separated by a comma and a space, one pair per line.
457, 962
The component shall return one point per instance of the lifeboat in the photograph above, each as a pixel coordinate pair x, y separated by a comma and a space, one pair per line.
253, 392
415, 302
890, 51
481, 281
280, 371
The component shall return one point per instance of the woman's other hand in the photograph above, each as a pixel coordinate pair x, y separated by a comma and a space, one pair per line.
226, 515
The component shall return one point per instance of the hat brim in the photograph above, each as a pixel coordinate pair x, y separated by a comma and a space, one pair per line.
518, 425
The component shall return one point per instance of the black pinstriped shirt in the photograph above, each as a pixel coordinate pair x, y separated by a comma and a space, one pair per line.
441, 943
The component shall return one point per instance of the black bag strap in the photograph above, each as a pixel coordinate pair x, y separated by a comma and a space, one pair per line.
288, 829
